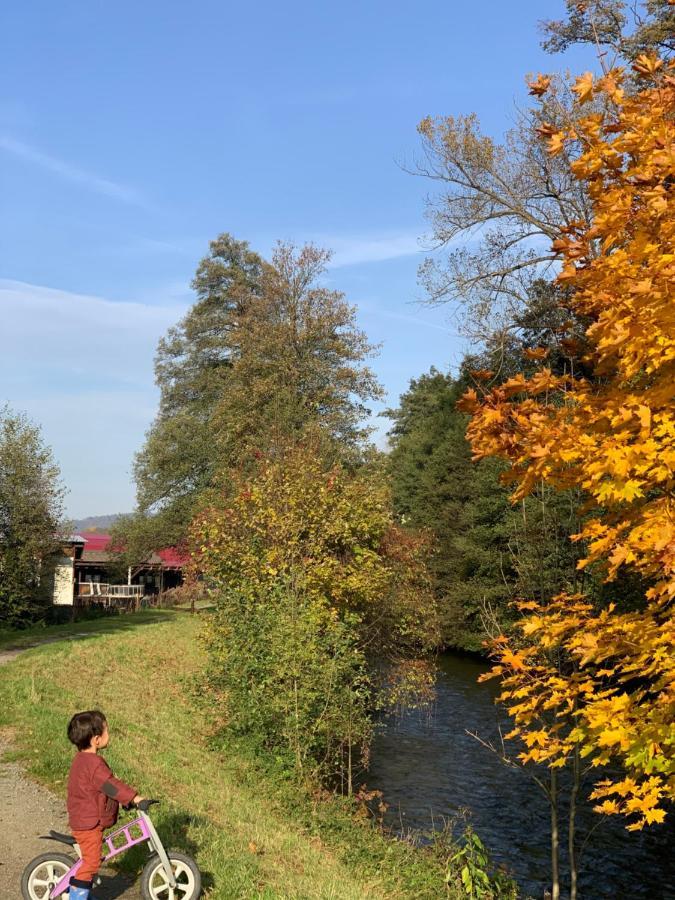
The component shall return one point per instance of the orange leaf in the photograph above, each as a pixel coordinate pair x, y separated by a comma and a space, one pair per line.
647, 65
583, 87
539, 86
536, 353
509, 658
468, 402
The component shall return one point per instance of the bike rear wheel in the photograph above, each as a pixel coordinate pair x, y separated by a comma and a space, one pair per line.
43, 873
155, 885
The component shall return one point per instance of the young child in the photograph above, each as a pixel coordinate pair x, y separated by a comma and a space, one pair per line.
94, 795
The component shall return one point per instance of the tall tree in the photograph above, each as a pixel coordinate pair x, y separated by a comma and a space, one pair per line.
30, 513
265, 352
486, 551
506, 202
192, 365
297, 361
437, 488
501, 203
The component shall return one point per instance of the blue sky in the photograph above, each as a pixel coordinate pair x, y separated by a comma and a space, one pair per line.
133, 133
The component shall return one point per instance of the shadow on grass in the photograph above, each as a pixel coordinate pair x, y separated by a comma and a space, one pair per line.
37, 637
174, 830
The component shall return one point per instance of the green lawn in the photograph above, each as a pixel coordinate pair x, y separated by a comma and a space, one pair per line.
220, 807
11, 638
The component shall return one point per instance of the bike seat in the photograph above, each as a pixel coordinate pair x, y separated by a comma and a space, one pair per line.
61, 838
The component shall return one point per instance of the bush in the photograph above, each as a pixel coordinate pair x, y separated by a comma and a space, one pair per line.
293, 676
321, 601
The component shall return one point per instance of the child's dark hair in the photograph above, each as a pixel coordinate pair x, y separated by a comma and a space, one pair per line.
84, 726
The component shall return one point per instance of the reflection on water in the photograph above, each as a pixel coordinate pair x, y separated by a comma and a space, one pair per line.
430, 769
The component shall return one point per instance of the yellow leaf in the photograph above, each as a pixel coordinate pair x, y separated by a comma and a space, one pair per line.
555, 143
655, 815
583, 87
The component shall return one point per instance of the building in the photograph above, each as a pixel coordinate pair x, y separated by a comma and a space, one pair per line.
86, 570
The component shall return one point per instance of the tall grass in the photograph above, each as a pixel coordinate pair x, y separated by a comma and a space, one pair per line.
231, 814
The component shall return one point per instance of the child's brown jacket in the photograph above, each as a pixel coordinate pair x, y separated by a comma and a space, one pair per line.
94, 794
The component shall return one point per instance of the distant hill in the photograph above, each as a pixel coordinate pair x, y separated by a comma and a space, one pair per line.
96, 523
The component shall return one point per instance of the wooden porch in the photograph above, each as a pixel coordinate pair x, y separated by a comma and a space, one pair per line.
123, 596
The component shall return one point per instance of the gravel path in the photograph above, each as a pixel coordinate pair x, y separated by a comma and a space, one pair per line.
28, 810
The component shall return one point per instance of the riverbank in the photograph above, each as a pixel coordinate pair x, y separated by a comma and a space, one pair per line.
220, 807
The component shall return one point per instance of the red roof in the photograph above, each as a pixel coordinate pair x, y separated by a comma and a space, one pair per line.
171, 557
96, 540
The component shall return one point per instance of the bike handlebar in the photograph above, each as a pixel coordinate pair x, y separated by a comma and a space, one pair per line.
144, 805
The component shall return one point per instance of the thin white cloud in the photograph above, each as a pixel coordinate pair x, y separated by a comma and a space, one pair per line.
412, 320
358, 249
145, 246
82, 367
347, 250
65, 170
72, 333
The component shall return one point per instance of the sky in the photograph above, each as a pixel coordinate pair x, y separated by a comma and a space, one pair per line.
133, 133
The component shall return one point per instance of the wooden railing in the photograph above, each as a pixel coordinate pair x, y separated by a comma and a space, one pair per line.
121, 591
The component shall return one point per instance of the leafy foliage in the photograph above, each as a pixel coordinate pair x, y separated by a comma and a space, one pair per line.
314, 584
485, 551
436, 488
628, 30
474, 876
291, 676
264, 353
30, 514
602, 682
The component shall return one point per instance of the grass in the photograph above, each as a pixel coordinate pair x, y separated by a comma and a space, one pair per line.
15, 639
229, 813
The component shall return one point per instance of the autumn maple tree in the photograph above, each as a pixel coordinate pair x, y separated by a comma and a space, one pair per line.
583, 681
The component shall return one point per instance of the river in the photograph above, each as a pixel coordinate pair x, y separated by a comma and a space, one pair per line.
430, 769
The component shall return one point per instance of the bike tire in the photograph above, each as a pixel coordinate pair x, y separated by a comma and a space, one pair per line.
185, 869
28, 891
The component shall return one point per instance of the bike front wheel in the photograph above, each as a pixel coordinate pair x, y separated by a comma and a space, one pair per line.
155, 884
43, 873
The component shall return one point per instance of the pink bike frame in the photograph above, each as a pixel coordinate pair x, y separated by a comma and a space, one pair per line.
143, 832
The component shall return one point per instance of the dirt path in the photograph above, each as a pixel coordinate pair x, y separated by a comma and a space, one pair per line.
28, 810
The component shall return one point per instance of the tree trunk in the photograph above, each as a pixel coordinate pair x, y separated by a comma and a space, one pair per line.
555, 841
349, 752
298, 755
572, 824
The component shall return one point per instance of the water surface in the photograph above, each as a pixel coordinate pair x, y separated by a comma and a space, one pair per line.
430, 769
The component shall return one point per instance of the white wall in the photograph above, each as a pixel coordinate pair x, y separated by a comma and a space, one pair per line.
64, 579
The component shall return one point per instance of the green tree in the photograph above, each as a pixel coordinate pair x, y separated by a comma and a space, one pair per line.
437, 487
30, 513
265, 352
193, 362
486, 551
293, 679
297, 363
